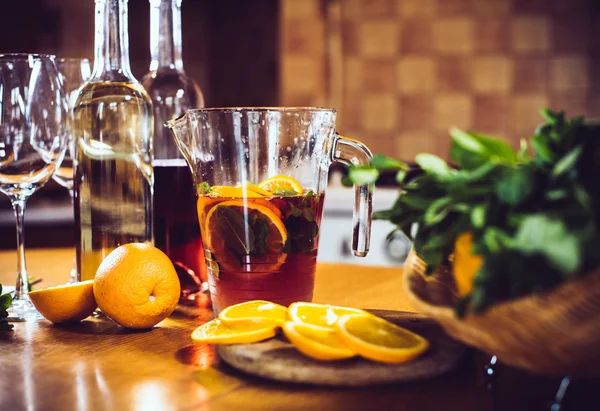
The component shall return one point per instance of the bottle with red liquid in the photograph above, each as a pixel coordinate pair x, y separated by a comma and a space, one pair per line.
176, 229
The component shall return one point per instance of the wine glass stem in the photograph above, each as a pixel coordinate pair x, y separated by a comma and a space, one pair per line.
22, 287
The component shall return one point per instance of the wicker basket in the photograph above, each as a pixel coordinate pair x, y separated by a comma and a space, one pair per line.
555, 333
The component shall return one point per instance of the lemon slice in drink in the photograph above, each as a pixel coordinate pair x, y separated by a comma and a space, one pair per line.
321, 315
256, 311
379, 340
215, 332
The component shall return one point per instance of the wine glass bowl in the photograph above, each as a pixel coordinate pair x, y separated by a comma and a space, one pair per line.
33, 119
74, 72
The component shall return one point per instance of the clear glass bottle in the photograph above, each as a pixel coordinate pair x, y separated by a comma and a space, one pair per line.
176, 229
112, 128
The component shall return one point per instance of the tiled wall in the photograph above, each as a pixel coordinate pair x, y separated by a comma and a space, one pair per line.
401, 72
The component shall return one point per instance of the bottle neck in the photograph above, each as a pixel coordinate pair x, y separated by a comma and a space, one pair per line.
111, 60
165, 34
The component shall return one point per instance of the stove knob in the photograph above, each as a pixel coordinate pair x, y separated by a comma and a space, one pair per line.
397, 247
346, 251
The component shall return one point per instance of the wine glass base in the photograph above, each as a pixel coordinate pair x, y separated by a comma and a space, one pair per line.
22, 310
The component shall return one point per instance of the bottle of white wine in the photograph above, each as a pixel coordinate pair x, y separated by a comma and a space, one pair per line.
112, 127
176, 228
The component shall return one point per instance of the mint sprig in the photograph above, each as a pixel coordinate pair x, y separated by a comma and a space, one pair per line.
5, 302
533, 212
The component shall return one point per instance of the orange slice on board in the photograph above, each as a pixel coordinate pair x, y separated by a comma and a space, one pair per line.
321, 315
215, 332
256, 311
226, 229
379, 340
281, 183
317, 342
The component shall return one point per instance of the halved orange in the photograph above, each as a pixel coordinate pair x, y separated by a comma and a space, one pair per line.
255, 311
65, 303
215, 332
216, 243
379, 340
317, 342
282, 183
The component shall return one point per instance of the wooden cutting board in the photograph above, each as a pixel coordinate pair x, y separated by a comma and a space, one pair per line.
277, 359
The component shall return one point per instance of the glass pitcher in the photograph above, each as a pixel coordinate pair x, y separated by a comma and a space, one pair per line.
260, 175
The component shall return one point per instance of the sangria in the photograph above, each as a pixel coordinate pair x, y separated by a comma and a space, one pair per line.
260, 241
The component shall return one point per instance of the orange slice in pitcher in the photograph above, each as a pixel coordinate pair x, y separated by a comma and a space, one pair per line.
227, 234
233, 192
284, 183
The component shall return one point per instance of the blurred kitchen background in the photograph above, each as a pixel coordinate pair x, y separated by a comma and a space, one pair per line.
400, 72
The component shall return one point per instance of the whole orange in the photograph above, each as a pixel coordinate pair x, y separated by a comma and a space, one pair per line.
136, 286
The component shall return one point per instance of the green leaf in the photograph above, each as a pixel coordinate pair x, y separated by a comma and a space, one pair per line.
5, 301
433, 164
471, 150
415, 201
362, 175
309, 214
523, 155
567, 162
383, 163
541, 149
549, 115
285, 192
478, 215
400, 176
204, 188
235, 230
309, 194
437, 211
515, 185
496, 240
582, 197
549, 236
296, 212
261, 232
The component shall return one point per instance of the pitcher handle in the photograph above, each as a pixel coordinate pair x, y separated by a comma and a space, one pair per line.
348, 151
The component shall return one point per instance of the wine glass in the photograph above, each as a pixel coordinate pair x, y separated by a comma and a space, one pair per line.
74, 72
33, 122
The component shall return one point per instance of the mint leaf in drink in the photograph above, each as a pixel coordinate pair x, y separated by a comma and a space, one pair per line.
296, 212
235, 230
261, 235
285, 192
204, 188
309, 214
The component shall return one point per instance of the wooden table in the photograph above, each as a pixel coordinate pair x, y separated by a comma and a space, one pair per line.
97, 365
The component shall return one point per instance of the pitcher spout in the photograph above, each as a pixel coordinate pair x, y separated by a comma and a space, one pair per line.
183, 137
